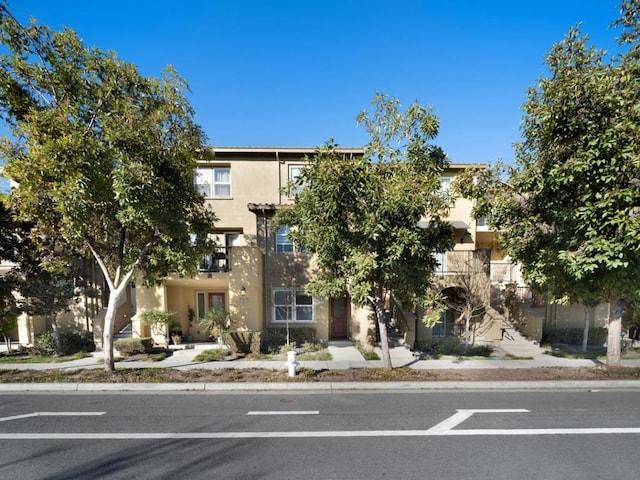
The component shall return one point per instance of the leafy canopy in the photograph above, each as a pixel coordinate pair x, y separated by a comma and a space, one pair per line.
103, 156
570, 207
359, 213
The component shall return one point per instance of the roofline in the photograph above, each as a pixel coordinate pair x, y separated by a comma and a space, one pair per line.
312, 150
307, 150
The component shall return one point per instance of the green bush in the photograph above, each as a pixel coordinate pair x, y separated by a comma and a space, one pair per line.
573, 336
452, 346
71, 341
277, 336
243, 341
439, 346
133, 346
213, 355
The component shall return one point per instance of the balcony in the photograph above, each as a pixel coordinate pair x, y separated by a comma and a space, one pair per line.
216, 262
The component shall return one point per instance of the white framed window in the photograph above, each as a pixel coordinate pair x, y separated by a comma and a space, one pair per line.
294, 173
213, 182
284, 243
292, 305
445, 184
441, 259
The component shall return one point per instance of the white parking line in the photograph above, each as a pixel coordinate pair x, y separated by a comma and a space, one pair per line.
53, 414
316, 434
284, 412
442, 429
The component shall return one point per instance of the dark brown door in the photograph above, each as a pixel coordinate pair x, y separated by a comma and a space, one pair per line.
338, 308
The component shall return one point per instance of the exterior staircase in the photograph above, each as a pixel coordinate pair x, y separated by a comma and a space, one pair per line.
514, 343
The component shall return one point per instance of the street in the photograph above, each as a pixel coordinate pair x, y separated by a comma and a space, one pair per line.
288, 435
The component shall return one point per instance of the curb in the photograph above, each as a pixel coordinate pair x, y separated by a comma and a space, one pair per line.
323, 387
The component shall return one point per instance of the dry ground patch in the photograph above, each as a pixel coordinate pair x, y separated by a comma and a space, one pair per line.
167, 375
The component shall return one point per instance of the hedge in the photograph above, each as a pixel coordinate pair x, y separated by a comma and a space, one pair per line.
573, 336
71, 341
242, 341
277, 336
133, 346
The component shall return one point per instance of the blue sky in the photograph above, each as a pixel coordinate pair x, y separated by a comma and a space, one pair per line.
296, 73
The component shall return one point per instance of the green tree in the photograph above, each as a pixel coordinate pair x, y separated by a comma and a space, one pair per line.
570, 208
10, 246
360, 214
104, 159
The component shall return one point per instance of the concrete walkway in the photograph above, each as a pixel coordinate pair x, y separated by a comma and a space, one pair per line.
344, 356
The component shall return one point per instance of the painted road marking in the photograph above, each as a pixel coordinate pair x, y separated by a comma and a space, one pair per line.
284, 412
464, 414
320, 434
442, 429
53, 414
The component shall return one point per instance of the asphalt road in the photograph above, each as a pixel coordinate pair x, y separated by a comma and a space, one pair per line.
425, 435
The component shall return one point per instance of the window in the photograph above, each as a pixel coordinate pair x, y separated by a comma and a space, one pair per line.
213, 182
445, 183
294, 173
284, 243
439, 330
441, 259
292, 305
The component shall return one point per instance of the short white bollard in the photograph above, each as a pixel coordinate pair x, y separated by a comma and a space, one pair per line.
291, 362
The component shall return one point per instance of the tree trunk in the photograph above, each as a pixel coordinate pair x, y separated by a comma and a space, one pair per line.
614, 338
382, 326
585, 334
56, 334
109, 326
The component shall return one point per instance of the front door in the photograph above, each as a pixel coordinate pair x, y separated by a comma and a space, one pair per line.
338, 309
216, 301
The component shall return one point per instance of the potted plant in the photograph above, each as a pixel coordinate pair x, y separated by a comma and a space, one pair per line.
216, 321
175, 332
191, 315
158, 320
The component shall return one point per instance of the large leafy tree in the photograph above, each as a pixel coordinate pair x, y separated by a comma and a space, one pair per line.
570, 208
103, 157
360, 214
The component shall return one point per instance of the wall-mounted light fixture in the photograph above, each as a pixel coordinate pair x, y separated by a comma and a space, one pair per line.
243, 291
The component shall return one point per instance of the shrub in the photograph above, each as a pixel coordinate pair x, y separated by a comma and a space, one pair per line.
277, 336
573, 336
133, 346
71, 341
439, 346
155, 317
243, 341
213, 355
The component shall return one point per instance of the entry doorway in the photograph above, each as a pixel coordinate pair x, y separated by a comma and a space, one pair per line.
338, 318
206, 301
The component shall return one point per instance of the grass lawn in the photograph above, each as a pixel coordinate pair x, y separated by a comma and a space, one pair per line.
26, 358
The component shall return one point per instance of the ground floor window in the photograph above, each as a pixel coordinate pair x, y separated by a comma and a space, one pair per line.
292, 305
439, 330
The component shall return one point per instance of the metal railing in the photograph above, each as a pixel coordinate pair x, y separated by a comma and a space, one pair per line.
218, 261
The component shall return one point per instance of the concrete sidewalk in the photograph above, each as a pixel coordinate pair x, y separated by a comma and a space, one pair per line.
344, 356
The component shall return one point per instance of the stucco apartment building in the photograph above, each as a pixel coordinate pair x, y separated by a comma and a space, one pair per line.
259, 276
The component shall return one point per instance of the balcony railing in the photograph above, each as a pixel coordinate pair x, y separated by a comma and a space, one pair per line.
217, 261
526, 296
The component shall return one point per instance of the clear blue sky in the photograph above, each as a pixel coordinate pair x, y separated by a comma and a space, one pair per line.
296, 73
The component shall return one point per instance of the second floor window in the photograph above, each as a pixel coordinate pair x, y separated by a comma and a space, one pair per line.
284, 243
213, 182
441, 259
294, 173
